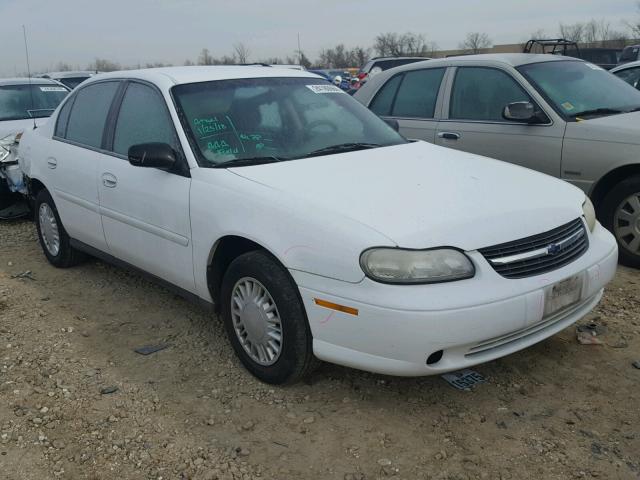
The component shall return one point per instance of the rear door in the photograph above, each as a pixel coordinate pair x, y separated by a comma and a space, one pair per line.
74, 160
472, 121
145, 211
413, 99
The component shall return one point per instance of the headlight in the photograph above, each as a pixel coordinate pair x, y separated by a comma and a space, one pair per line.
6, 144
395, 265
589, 213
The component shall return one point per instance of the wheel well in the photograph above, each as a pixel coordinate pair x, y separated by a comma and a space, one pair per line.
35, 186
606, 183
225, 251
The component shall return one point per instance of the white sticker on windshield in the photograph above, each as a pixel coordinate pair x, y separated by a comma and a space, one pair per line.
53, 89
594, 67
324, 89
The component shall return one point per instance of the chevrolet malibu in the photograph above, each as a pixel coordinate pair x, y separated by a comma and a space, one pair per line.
313, 237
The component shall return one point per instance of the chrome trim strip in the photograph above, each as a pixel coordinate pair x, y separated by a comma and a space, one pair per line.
539, 252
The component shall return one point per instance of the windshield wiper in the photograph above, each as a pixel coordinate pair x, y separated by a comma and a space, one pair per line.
342, 147
598, 111
246, 162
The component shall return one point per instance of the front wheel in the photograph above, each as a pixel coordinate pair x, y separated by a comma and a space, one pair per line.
265, 320
620, 214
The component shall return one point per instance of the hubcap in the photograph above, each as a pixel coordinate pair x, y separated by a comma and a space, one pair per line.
626, 223
256, 321
49, 229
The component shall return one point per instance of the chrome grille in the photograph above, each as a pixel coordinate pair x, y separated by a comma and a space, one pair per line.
539, 253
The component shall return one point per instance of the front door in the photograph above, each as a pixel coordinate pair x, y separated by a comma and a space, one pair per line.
145, 211
472, 121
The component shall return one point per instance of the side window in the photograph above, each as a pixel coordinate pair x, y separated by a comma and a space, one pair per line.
63, 118
382, 102
482, 93
143, 118
418, 93
89, 113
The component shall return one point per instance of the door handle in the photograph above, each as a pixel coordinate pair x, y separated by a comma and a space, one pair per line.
52, 162
109, 180
449, 135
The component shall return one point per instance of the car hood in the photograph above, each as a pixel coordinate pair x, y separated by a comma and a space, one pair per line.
420, 195
10, 127
622, 128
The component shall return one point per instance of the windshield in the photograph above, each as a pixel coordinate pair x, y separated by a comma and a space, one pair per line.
18, 102
276, 118
574, 88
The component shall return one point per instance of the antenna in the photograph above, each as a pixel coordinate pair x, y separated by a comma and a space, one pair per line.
26, 50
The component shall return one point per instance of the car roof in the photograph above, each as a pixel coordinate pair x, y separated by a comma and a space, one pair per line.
26, 81
511, 59
624, 66
68, 74
375, 59
195, 74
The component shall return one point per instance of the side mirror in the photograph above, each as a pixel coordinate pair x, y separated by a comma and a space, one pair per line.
153, 155
393, 123
520, 112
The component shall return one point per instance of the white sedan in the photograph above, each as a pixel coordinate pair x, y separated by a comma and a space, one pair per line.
312, 226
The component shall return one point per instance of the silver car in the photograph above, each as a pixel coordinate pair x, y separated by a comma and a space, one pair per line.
558, 115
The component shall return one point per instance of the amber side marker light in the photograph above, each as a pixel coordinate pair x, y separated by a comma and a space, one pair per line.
335, 306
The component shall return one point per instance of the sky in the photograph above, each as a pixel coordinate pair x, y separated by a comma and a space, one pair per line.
133, 32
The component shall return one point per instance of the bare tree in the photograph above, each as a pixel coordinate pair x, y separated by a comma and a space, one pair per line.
63, 67
475, 42
242, 52
104, 65
205, 57
574, 32
302, 59
634, 25
188, 63
394, 45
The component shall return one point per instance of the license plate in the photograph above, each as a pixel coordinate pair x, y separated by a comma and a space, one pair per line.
562, 295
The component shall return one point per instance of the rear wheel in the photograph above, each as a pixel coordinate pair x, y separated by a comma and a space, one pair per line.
620, 213
54, 240
265, 319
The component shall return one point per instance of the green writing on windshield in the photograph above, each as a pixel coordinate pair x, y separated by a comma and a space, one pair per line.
220, 147
205, 127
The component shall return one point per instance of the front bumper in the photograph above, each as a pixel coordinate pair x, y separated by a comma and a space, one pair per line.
471, 321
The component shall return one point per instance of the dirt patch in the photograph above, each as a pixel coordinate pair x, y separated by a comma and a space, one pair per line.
556, 410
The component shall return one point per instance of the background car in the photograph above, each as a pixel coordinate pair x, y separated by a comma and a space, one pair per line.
22, 100
629, 72
630, 53
558, 115
70, 79
380, 64
24, 104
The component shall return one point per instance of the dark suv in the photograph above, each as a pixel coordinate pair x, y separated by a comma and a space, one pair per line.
629, 54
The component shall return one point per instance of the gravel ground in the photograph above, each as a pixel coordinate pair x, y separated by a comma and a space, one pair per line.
76, 401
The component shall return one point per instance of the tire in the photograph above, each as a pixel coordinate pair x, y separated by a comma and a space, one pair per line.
283, 362
620, 214
48, 224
